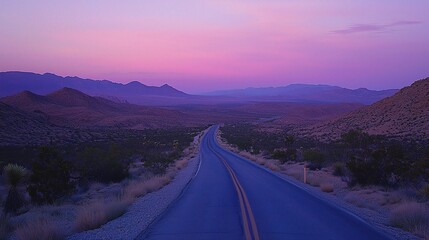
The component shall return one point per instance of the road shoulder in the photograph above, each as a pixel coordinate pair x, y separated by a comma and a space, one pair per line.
145, 210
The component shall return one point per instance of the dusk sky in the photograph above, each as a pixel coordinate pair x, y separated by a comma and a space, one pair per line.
203, 45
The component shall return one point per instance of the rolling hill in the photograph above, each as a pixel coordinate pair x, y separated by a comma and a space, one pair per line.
18, 127
403, 115
69, 107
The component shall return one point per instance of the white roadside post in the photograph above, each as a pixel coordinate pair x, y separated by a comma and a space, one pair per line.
305, 174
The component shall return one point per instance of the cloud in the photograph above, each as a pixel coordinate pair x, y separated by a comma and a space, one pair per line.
357, 28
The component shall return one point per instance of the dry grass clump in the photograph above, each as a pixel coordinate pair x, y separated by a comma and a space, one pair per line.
272, 166
422, 231
180, 164
314, 180
392, 198
249, 156
412, 217
356, 199
94, 215
41, 229
260, 161
140, 188
326, 187
295, 172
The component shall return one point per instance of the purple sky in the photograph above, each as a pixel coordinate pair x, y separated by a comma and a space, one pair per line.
203, 45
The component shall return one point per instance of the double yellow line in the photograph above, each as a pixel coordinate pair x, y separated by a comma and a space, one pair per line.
249, 224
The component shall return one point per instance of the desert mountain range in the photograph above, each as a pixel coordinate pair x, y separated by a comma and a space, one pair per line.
309, 93
137, 93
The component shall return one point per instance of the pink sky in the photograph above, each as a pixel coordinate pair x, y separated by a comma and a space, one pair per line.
203, 45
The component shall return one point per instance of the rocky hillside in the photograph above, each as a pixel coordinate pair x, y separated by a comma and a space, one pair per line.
403, 115
18, 127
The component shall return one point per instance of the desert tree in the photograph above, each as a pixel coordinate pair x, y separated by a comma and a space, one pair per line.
50, 178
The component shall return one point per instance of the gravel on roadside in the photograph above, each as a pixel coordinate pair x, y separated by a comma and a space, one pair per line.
145, 210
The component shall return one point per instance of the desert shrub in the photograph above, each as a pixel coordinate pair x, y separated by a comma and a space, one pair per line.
339, 169
272, 166
14, 175
285, 155
363, 171
41, 229
385, 166
326, 187
413, 217
50, 179
103, 166
315, 158
356, 138
424, 191
314, 180
96, 214
158, 162
289, 139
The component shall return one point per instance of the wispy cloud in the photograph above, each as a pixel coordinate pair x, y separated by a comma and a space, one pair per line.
357, 28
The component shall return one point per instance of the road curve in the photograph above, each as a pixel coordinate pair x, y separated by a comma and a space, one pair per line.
232, 198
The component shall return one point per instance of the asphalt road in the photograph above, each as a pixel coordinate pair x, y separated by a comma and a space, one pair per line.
232, 198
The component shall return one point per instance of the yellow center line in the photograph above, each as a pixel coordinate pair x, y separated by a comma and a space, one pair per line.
247, 234
249, 209
243, 200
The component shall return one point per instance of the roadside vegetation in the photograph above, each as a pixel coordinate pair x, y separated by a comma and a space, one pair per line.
374, 171
361, 158
87, 184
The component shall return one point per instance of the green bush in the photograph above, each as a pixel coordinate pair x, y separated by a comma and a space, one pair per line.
50, 179
356, 138
363, 171
339, 169
159, 162
103, 166
384, 166
315, 158
285, 155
